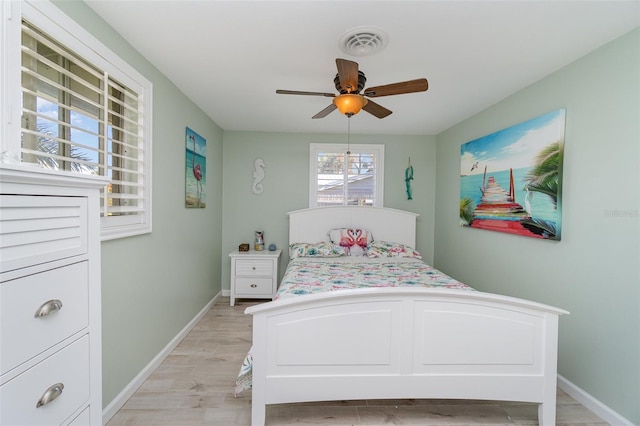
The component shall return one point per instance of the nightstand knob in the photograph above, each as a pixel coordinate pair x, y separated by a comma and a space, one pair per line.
254, 285
254, 268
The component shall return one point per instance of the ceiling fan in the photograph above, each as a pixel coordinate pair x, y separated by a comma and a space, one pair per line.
350, 83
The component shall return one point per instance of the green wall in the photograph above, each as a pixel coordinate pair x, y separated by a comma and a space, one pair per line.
286, 185
594, 271
154, 284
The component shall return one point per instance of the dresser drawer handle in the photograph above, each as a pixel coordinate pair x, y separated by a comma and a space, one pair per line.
254, 285
50, 394
48, 307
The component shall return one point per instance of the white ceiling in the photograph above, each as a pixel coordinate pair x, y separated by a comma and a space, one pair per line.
229, 57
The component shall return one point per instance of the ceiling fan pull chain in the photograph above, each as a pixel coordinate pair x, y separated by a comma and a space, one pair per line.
348, 135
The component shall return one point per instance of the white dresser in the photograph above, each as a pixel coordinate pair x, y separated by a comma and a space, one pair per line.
254, 274
50, 314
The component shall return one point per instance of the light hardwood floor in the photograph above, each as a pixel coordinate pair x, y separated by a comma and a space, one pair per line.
194, 386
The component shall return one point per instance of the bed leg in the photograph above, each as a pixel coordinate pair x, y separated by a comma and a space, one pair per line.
547, 414
258, 412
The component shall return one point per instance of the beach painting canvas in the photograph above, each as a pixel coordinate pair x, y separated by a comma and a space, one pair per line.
511, 180
196, 170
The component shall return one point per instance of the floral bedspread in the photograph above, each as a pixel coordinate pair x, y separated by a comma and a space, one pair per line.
308, 276
320, 275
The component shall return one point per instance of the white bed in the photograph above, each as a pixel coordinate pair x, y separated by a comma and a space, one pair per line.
399, 342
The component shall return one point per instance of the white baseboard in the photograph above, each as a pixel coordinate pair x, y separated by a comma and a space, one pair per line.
226, 293
126, 393
597, 407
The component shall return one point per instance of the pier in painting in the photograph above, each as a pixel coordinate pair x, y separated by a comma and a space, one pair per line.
498, 209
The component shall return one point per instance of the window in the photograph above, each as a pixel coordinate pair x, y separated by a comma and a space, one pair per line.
84, 110
346, 177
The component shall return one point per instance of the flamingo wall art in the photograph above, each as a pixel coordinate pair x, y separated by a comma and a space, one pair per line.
196, 170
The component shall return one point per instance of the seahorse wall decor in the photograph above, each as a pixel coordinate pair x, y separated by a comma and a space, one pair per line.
258, 176
408, 177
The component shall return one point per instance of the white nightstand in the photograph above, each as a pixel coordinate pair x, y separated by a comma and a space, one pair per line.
254, 274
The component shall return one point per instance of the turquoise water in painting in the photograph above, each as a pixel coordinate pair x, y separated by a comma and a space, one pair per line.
191, 182
540, 205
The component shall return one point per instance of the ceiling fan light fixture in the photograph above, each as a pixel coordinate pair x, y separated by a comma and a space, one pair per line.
349, 104
363, 41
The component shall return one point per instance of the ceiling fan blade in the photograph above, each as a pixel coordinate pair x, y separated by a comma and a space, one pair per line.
376, 109
348, 74
325, 111
297, 92
411, 86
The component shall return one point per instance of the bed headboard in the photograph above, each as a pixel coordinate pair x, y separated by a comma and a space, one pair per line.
312, 225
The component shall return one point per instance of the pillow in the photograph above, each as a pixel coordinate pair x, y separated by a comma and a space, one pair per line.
354, 240
389, 249
322, 249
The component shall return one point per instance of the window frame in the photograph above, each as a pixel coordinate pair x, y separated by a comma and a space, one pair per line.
376, 149
59, 26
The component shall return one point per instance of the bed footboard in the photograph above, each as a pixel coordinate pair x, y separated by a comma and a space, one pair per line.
404, 343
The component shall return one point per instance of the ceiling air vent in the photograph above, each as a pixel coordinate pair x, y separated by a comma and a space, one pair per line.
363, 41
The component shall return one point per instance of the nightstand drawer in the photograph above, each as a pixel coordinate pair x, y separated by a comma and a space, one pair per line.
254, 286
253, 267
20, 396
40, 310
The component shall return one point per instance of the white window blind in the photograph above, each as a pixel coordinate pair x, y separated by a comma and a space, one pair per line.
83, 114
341, 176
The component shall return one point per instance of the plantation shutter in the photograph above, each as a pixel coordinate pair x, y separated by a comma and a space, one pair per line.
124, 148
78, 118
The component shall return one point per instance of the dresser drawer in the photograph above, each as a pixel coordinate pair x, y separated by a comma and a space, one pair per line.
254, 286
41, 229
70, 367
25, 335
83, 419
254, 267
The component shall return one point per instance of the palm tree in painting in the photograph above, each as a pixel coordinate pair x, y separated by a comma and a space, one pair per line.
466, 210
544, 178
545, 175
